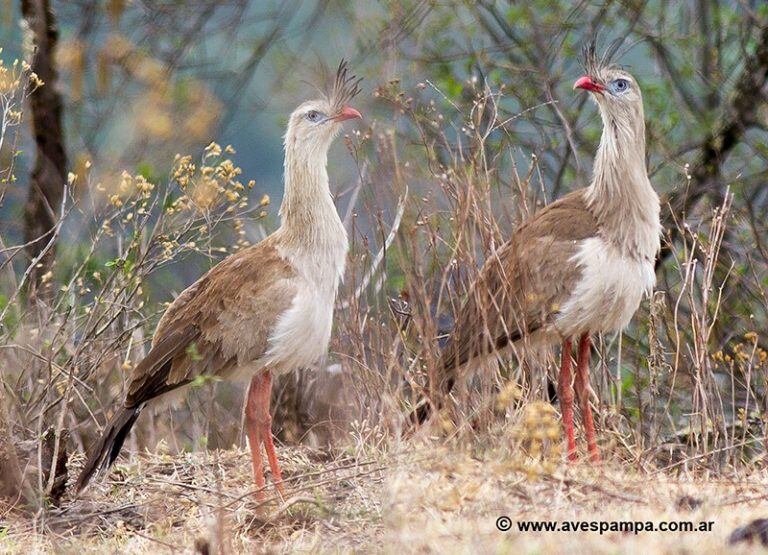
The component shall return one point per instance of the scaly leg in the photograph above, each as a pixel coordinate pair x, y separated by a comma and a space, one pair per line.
266, 435
582, 393
253, 430
565, 392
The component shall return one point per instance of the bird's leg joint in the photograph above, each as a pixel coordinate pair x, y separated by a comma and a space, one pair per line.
258, 417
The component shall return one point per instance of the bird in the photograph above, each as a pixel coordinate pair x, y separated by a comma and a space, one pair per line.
579, 266
263, 311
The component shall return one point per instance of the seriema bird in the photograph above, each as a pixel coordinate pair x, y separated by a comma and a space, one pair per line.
579, 266
263, 311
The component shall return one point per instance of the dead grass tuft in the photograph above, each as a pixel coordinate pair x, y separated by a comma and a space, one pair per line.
426, 498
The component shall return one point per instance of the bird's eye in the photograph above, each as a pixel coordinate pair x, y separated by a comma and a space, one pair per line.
620, 85
314, 116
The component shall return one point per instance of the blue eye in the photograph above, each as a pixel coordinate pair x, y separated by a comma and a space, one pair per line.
620, 85
314, 116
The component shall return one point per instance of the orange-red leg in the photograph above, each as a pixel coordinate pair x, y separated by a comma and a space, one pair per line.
253, 430
582, 393
565, 393
269, 445
259, 429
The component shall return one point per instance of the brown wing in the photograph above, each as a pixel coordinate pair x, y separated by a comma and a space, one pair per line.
523, 287
222, 320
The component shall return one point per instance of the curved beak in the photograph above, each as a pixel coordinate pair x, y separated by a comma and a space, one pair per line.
588, 84
347, 112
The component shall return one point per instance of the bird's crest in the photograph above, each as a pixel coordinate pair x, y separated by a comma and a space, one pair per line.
592, 62
342, 87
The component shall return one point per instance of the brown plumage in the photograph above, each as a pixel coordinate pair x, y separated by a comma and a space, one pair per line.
519, 291
202, 332
267, 308
578, 266
522, 285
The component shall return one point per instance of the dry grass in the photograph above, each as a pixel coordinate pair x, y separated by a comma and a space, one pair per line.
430, 497
441, 187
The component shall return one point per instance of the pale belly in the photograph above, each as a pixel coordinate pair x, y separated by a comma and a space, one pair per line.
609, 292
300, 339
302, 334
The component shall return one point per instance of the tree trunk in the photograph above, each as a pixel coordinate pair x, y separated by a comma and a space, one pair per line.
46, 184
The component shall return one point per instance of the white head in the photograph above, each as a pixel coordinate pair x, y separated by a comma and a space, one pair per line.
314, 125
621, 192
617, 95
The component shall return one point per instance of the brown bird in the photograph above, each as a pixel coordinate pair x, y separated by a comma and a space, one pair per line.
267, 309
579, 266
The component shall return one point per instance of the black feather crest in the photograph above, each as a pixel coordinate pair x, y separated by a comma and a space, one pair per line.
592, 62
341, 88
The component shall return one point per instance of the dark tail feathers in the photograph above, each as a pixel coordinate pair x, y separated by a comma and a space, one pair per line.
452, 359
426, 407
106, 450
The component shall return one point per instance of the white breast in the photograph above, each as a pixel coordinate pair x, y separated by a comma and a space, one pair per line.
303, 332
609, 292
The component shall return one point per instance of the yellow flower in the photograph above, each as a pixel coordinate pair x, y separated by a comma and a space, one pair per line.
126, 182
213, 149
144, 186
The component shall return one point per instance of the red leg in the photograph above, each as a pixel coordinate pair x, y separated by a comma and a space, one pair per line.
266, 436
582, 393
253, 431
565, 393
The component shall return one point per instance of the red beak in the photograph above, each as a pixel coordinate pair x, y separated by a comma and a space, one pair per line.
588, 84
347, 112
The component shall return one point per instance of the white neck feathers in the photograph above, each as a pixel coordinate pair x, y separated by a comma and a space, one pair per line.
621, 195
309, 219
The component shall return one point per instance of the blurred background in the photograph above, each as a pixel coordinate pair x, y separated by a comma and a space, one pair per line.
470, 124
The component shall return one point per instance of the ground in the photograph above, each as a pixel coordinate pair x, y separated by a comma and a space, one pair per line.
426, 498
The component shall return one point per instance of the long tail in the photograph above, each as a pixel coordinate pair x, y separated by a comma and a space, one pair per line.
428, 405
454, 356
106, 450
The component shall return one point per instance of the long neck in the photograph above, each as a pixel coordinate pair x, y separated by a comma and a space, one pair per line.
621, 195
308, 215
